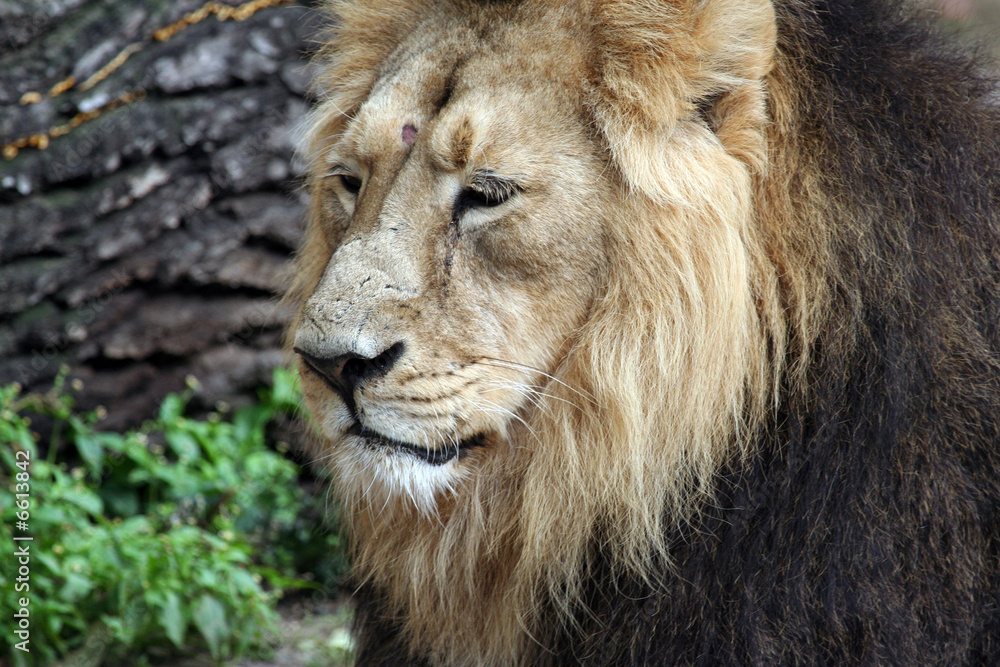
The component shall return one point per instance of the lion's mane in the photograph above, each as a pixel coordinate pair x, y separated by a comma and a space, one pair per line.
834, 388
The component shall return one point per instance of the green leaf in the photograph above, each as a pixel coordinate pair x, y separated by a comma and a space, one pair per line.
137, 524
207, 578
183, 444
120, 501
91, 450
127, 627
171, 409
278, 580
85, 499
76, 587
210, 619
139, 476
48, 561
112, 441
285, 393
172, 619
155, 574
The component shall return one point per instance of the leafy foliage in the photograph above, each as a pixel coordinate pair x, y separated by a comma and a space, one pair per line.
178, 536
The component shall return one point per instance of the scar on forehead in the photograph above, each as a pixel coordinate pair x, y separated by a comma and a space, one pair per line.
409, 134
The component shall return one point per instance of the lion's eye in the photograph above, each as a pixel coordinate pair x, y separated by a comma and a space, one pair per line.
351, 183
472, 198
486, 191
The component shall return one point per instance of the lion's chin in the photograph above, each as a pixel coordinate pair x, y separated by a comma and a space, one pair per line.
378, 471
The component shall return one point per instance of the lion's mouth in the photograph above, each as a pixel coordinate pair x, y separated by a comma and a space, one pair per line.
428, 455
375, 439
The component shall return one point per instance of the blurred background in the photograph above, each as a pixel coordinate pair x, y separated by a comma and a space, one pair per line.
149, 205
150, 201
149, 194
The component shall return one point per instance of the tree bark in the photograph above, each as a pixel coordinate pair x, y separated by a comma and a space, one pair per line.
148, 194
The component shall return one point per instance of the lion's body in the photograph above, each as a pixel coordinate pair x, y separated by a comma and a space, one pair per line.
658, 333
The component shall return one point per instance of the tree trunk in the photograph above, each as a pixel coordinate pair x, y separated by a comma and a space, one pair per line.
148, 201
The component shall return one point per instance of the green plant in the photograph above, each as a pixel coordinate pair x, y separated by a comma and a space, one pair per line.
178, 535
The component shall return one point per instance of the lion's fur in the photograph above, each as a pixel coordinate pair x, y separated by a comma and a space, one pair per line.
774, 421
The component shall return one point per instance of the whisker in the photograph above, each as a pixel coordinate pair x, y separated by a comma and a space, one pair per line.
499, 409
364, 495
321, 458
503, 363
530, 392
388, 496
525, 391
330, 102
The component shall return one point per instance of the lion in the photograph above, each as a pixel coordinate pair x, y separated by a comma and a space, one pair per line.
657, 332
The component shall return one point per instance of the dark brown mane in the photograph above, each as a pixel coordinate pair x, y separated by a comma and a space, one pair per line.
814, 478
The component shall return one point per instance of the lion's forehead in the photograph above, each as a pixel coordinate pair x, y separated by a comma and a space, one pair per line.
469, 98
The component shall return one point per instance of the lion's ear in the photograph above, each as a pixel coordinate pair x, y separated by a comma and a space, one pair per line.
662, 63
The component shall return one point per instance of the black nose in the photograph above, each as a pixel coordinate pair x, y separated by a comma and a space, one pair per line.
345, 372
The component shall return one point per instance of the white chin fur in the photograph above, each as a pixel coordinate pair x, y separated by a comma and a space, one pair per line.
376, 476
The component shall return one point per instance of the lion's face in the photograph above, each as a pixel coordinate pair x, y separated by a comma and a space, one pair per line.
461, 204
534, 308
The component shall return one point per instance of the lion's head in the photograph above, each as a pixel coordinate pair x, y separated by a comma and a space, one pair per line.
536, 309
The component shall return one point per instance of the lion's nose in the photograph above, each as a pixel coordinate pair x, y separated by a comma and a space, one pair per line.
345, 372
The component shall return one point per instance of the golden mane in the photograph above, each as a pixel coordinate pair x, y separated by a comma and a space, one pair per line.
673, 329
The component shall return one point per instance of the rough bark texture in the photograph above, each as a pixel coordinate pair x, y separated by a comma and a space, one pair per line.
147, 211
